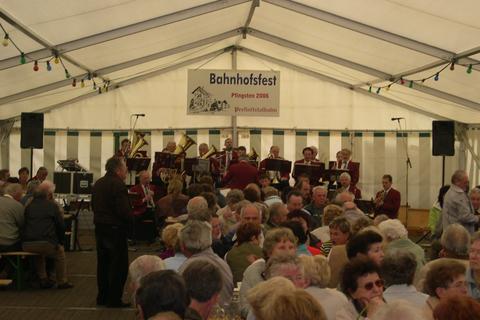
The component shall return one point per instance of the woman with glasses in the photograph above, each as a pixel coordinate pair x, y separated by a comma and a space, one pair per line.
444, 280
362, 285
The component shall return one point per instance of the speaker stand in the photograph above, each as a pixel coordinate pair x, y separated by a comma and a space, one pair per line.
443, 171
31, 162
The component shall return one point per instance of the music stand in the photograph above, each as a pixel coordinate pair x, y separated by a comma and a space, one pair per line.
165, 160
135, 165
188, 165
278, 165
332, 176
314, 171
367, 206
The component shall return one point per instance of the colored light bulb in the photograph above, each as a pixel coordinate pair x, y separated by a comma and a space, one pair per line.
370, 89
411, 84
5, 40
378, 90
22, 58
402, 81
35, 66
437, 76
67, 75
74, 82
388, 87
82, 83
49, 66
99, 90
469, 69
57, 59
452, 66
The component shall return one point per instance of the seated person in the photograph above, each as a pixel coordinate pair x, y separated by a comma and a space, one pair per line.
278, 215
277, 241
301, 235
396, 236
340, 231
11, 218
317, 205
444, 280
161, 291
366, 243
196, 244
227, 213
173, 204
473, 270
330, 212
362, 285
139, 268
460, 307
271, 196
398, 271
172, 256
345, 185
44, 233
277, 298
317, 275
204, 283
246, 251
220, 243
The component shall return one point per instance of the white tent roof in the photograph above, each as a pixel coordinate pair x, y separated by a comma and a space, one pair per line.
350, 44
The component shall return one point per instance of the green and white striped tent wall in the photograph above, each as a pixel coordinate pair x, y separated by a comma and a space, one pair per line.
378, 152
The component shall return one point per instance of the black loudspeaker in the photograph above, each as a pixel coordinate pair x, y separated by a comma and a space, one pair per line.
443, 138
31, 130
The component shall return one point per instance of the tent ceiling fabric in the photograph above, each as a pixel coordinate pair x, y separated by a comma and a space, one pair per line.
350, 43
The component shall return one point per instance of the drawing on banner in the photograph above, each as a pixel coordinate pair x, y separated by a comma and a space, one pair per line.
204, 101
233, 92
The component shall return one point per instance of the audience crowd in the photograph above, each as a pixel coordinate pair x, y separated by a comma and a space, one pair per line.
250, 254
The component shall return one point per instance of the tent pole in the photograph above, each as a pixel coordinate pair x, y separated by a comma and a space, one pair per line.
234, 118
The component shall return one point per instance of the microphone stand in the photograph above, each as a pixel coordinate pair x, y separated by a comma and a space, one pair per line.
132, 132
408, 164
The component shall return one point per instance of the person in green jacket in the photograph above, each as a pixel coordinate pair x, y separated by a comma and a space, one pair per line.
246, 251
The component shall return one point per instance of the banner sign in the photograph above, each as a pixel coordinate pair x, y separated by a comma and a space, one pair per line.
233, 92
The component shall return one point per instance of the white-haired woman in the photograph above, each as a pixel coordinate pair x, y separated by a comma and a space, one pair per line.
317, 276
396, 236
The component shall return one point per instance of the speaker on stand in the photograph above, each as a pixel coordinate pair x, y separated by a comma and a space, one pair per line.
443, 141
31, 130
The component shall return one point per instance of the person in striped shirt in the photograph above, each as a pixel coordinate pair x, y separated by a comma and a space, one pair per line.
339, 234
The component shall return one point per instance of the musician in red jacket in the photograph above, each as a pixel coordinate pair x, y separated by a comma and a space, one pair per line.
143, 209
347, 163
387, 200
228, 156
240, 174
144, 203
345, 185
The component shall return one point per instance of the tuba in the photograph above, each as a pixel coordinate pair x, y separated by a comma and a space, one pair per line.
184, 143
210, 152
139, 143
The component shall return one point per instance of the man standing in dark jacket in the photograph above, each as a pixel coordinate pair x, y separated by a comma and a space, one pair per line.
111, 209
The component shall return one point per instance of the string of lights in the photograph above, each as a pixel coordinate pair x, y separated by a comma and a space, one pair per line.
100, 85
